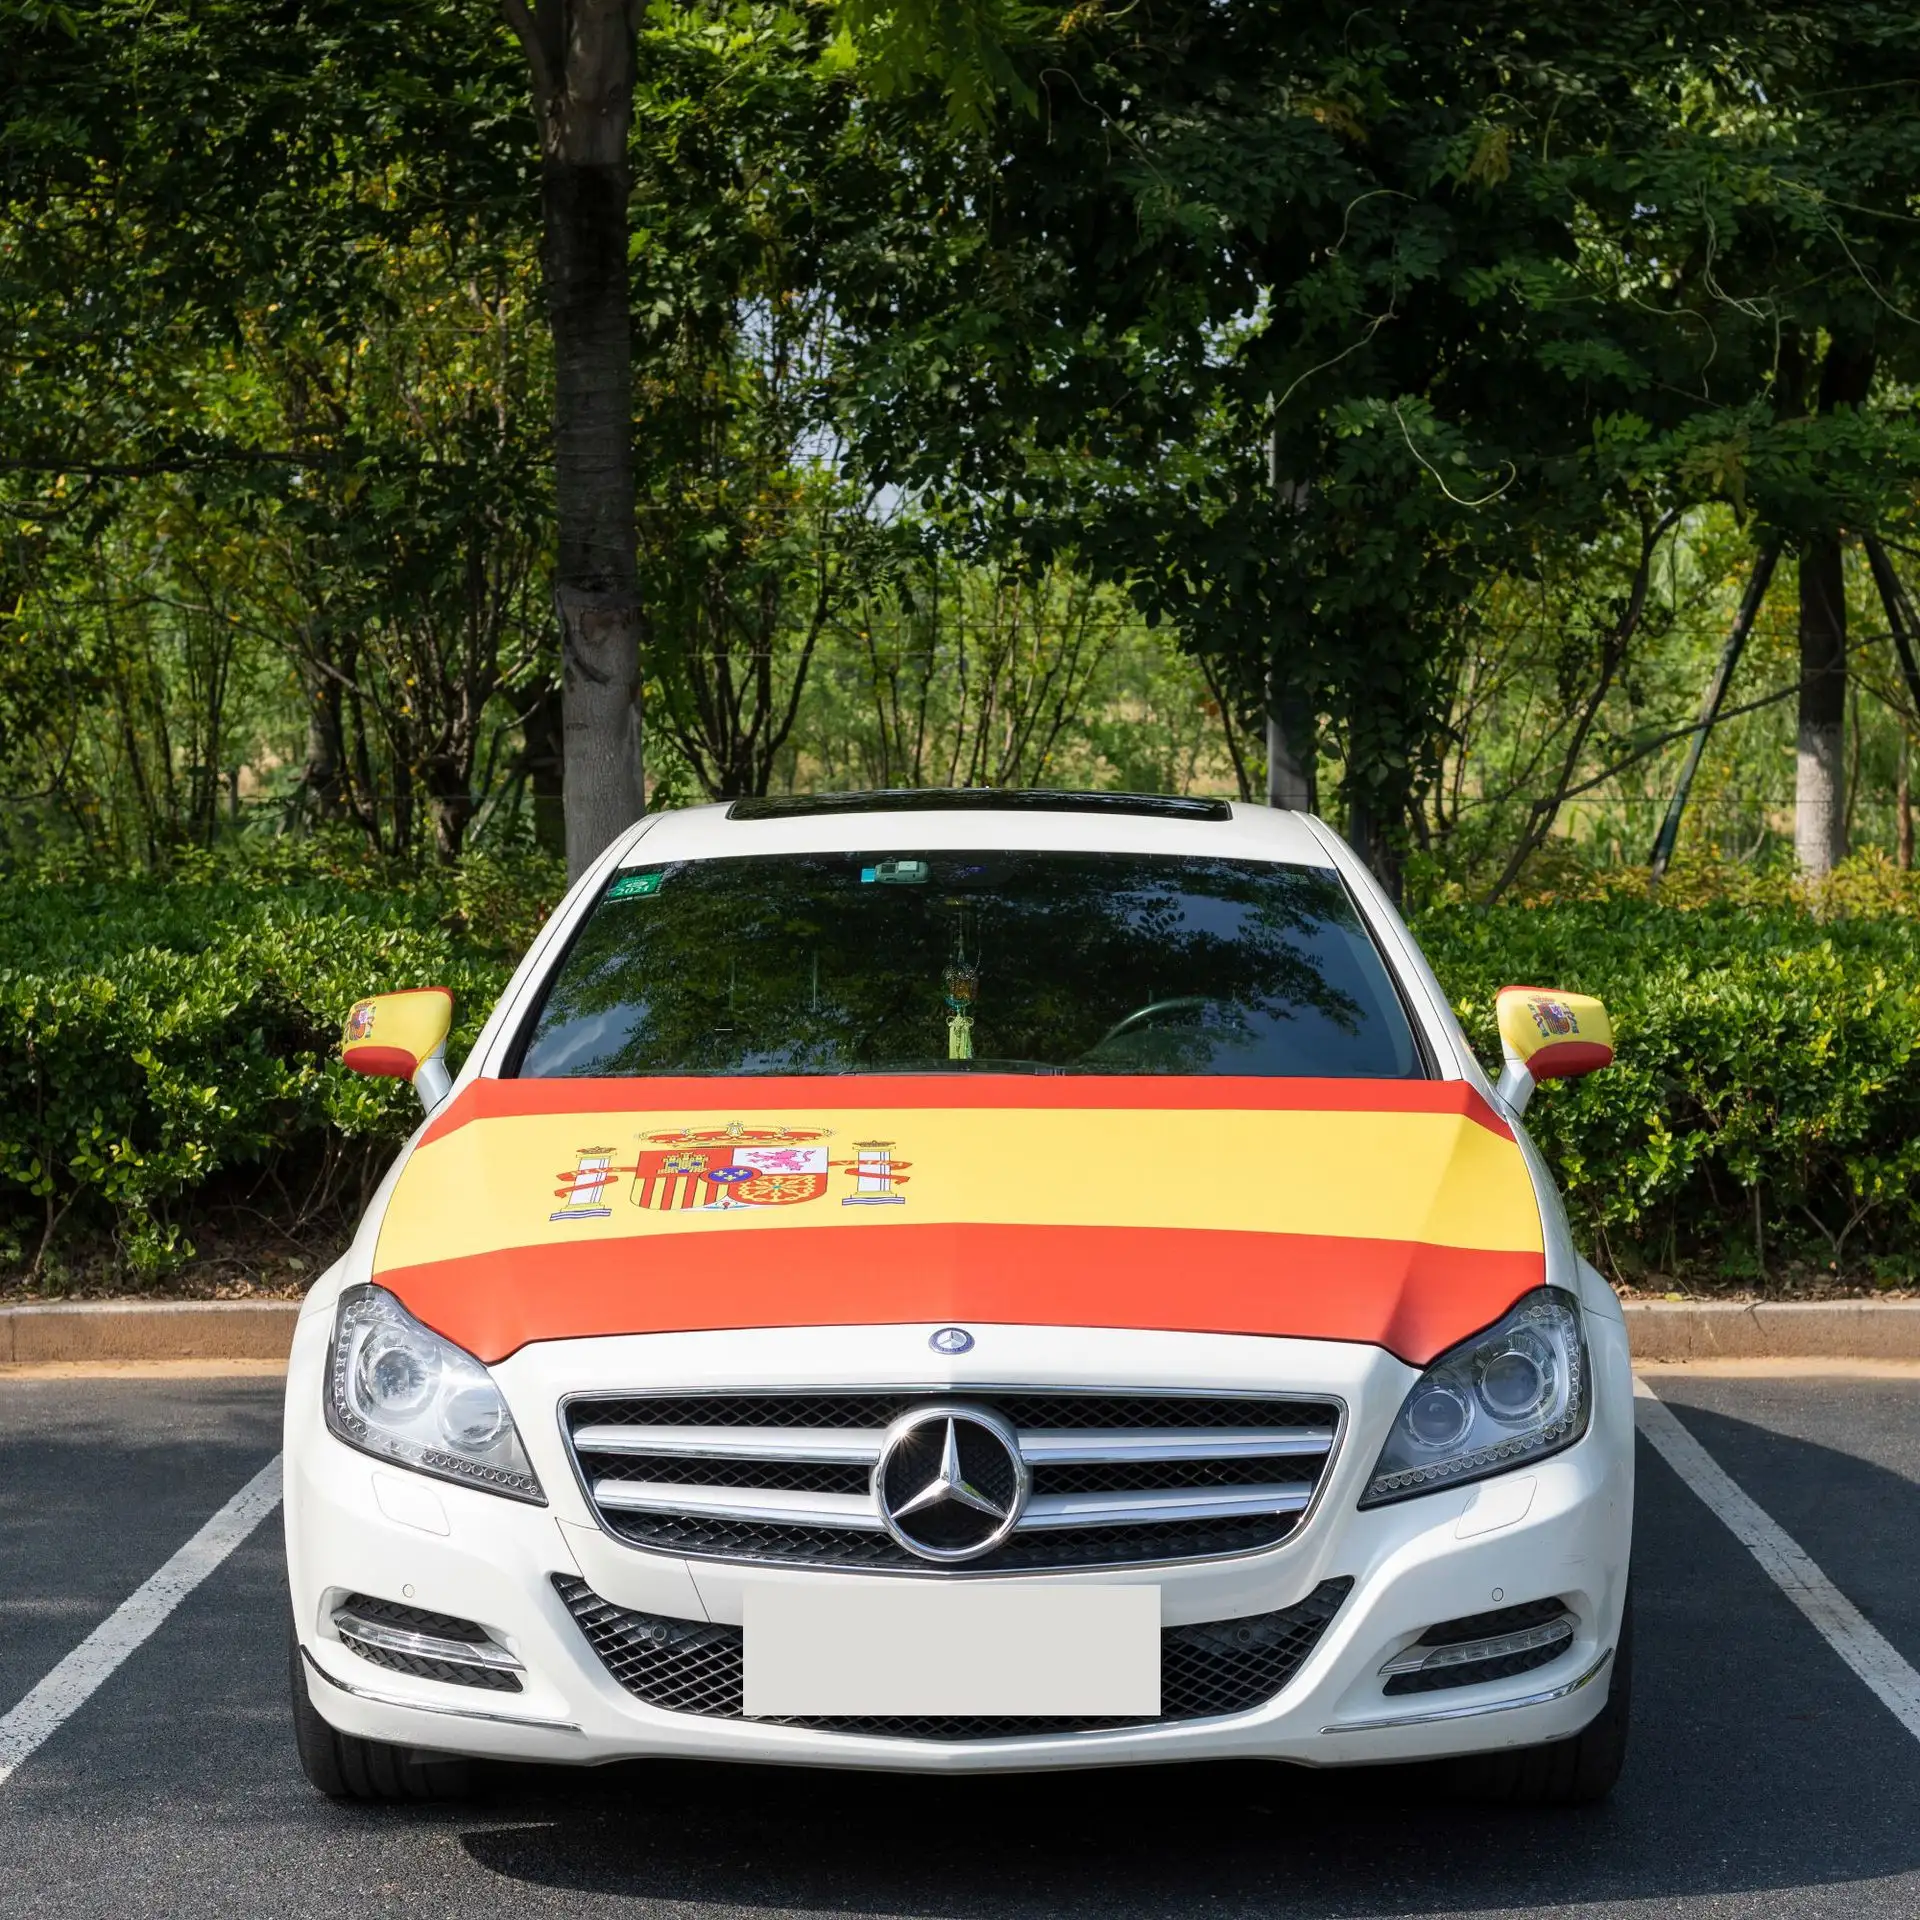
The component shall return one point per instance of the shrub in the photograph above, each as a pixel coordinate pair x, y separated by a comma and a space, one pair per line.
1765, 1101
159, 1037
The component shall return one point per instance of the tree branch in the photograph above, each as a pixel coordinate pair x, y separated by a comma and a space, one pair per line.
533, 43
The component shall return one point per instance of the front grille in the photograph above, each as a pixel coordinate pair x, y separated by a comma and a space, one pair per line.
1117, 1479
1218, 1667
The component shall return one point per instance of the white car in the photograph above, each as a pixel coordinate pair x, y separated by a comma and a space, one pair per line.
959, 1282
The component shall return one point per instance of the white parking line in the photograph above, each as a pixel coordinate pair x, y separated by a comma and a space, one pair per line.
72, 1683
1837, 1620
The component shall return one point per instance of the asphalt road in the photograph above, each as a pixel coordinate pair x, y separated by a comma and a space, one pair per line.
1764, 1777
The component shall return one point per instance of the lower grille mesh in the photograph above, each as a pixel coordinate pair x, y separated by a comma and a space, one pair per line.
1215, 1668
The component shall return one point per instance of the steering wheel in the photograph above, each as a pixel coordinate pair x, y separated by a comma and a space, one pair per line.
1152, 1010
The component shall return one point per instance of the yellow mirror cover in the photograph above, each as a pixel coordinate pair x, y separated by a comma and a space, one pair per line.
390, 1034
1554, 1035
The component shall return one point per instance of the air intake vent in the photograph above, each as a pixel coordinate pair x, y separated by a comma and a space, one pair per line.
1220, 1667
1483, 1646
430, 1646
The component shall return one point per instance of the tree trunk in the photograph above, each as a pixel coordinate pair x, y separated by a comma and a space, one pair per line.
1903, 805
1372, 833
1291, 757
1819, 819
1292, 748
450, 805
581, 56
1819, 822
542, 733
322, 790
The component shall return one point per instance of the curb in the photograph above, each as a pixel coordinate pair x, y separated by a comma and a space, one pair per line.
115, 1330
147, 1330
1815, 1330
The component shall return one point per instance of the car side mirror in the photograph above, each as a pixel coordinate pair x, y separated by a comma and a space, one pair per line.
1548, 1035
402, 1036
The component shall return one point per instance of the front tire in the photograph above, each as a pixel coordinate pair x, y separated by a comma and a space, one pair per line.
343, 1766
1574, 1772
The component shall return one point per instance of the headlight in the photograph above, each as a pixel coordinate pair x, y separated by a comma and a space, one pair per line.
395, 1389
1515, 1393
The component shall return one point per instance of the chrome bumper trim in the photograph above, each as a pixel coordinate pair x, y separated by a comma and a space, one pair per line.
1439, 1714
375, 1697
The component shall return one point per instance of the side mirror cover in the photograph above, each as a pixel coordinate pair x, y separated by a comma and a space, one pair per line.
402, 1036
1549, 1035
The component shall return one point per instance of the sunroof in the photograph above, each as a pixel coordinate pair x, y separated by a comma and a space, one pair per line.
808, 806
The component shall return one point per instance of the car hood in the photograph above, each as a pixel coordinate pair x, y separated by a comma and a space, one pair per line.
1395, 1212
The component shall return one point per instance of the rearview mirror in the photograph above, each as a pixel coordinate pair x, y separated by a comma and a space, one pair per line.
1548, 1035
402, 1036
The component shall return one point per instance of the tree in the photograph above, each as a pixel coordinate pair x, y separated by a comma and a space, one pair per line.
580, 55
260, 294
1786, 235
751, 166
1292, 320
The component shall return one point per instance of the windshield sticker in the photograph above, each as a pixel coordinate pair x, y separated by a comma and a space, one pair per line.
896, 873
731, 1168
637, 886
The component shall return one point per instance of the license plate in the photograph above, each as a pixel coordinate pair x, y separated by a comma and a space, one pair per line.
914, 1647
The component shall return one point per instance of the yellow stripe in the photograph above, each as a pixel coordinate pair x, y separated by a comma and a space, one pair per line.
1396, 1176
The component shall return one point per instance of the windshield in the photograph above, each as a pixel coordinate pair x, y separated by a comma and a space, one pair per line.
1110, 963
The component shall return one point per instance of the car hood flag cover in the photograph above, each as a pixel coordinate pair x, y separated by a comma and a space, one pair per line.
1396, 1212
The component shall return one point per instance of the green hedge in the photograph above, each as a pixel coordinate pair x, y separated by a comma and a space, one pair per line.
166, 1046
165, 1052
1764, 1104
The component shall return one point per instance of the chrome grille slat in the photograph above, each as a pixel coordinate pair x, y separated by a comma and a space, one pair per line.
731, 1503
735, 1443
1118, 1477
1153, 1509
1208, 1670
1071, 1448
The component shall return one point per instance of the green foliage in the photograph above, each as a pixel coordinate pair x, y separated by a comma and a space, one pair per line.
942, 674
1764, 1107
167, 1047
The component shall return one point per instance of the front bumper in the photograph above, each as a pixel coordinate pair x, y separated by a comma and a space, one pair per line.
1560, 1529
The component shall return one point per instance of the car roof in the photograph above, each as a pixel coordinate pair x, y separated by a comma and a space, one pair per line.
973, 820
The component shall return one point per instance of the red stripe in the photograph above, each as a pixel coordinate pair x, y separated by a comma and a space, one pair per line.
1415, 1300
384, 1063
1567, 1059
507, 1099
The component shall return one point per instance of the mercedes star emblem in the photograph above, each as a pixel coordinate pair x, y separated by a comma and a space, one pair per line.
950, 1483
951, 1340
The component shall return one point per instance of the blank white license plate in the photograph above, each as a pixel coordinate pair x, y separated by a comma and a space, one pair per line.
914, 1647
